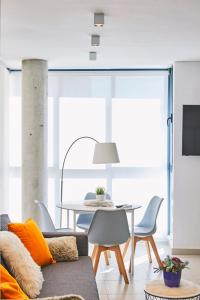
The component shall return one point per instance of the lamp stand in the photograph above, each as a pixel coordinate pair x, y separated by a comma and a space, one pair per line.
63, 165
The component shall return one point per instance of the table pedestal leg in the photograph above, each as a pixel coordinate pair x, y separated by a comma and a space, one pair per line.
132, 243
60, 217
67, 218
74, 220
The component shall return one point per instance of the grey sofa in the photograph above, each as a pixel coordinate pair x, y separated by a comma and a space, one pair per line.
65, 278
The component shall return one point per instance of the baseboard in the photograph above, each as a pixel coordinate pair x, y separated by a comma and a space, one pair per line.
176, 251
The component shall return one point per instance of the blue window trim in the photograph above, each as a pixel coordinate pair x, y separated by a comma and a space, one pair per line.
170, 150
169, 129
101, 70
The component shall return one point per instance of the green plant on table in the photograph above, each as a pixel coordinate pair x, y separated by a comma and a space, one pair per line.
100, 190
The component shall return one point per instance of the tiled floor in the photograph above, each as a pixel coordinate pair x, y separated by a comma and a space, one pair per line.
112, 287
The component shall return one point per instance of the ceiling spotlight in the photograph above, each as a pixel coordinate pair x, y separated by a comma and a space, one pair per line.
95, 40
98, 19
92, 55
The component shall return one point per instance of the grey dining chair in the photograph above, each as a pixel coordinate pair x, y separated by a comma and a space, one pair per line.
45, 222
84, 220
146, 228
109, 229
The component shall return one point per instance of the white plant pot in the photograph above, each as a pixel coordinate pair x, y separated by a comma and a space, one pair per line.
100, 197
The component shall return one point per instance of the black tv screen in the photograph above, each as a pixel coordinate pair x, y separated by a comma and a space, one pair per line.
191, 130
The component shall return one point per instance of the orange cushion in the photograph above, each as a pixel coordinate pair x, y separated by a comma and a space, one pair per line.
9, 287
32, 238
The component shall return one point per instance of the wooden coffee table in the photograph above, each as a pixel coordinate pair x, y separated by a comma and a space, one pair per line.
157, 290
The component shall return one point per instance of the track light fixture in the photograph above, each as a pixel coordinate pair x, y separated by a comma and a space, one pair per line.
92, 55
95, 40
98, 19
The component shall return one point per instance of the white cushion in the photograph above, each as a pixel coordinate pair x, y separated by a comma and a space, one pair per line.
27, 273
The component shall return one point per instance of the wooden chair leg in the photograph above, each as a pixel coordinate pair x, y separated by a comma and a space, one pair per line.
94, 253
155, 250
134, 241
122, 267
96, 263
148, 251
118, 261
126, 247
106, 257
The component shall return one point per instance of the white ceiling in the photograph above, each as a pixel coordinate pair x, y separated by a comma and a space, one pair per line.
137, 33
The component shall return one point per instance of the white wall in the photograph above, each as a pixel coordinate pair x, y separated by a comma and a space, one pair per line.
186, 206
4, 91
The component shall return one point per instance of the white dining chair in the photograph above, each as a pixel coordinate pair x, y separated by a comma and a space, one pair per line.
146, 228
45, 222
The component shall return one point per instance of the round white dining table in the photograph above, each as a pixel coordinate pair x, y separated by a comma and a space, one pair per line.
81, 208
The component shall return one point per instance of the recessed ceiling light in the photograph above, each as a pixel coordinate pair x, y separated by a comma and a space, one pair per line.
95, 40
98, 19
92, 55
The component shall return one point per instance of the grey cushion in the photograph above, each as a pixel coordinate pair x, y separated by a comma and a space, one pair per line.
70, 278
4, 220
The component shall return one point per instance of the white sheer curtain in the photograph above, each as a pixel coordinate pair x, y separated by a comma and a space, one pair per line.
4, 132
127, 107
15, 208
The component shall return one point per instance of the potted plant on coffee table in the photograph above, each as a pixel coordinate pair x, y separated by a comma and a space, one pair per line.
100, 193
172, 268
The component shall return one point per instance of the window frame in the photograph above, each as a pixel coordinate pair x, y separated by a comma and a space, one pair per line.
110, 171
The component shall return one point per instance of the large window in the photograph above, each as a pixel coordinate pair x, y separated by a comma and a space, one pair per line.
80, 117
129, 108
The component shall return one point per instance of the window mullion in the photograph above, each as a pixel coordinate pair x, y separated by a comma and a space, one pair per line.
108, 127
56, 137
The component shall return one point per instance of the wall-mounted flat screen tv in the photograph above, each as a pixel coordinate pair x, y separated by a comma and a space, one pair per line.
191, 130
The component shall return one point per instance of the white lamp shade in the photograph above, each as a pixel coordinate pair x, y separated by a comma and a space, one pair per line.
105, 153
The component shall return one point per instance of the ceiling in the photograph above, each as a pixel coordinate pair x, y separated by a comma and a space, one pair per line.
137, 33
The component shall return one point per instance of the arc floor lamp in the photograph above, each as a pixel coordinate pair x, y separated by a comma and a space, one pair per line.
104, 153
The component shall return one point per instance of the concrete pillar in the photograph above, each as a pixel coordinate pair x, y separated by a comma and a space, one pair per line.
34, 135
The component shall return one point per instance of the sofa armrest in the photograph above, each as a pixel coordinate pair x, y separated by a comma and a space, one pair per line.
81, 240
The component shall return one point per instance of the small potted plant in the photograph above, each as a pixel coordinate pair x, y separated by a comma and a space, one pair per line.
172, 268
100, 193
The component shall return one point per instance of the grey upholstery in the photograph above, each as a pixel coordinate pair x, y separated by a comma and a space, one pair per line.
45, 222
70, 278
109, 227
64, 278
75, 277
4, 220
147, 226
84, 220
